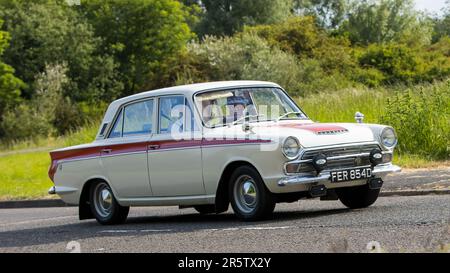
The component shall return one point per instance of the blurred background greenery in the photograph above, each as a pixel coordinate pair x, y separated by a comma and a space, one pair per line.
61, 64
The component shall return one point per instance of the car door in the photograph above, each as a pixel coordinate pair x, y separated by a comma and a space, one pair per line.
124, 158
174, 155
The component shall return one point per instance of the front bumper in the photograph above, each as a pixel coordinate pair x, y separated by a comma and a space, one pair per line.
380, 170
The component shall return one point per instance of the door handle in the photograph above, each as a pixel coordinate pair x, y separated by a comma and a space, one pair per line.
153, 147
106, 151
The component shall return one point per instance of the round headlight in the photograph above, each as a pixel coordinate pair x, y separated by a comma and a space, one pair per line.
291, 147
388, 137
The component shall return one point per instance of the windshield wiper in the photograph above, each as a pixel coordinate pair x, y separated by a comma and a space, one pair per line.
246, 117
288, 114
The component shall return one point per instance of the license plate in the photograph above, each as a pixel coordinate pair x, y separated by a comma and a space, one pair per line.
350, 175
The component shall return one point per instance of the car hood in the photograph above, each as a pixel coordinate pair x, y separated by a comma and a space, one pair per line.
310, 134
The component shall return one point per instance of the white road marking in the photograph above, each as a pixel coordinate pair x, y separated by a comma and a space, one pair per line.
37, 220
134, 230
249, 228
267, 228
118, 231
156, 230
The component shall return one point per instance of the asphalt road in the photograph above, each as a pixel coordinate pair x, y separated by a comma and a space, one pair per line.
397, 224
419, 179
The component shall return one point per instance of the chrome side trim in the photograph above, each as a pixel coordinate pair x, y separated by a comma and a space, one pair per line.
77, 159
238, 144
325, 177
173, 149
122, 154
169, 201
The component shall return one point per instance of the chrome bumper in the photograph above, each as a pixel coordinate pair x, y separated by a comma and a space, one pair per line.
324, 177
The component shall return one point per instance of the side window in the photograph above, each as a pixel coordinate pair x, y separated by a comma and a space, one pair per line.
175, 115
117, 128
138, 118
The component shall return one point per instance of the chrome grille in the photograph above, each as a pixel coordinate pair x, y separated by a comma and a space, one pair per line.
338, 163
340, 151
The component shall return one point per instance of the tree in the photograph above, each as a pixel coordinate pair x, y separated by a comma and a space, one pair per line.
144, 36
225, 17
382, 21
51, 32
442, 24
9, 85
329, 13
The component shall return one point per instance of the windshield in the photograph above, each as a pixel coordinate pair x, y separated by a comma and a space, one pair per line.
220, 108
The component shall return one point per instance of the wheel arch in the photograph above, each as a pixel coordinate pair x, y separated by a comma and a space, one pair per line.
222, 199
84, 206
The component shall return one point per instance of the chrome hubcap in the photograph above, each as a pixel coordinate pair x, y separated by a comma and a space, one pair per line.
245, 193
103, 200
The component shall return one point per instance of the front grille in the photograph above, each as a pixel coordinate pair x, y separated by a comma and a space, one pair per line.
340, 151
338, 163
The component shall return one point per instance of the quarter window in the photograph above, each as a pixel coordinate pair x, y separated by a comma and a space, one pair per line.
138, 119
134, 119
117, 129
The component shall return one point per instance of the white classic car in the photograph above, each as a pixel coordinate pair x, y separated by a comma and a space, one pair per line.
208, 145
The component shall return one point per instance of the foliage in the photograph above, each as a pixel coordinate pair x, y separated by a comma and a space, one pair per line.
421, 117
243, 57
329, 14
48, 113
9, 84
384, 21
302, 37
419, 114
401, 63
50, 32
442, 24
74, 60
147, 35
225, 17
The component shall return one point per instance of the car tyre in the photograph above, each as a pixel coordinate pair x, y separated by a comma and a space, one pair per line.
249, 197
104, 205
358, 197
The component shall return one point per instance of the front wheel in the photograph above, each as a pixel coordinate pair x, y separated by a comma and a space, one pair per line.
250, 199
358, 197
104, 205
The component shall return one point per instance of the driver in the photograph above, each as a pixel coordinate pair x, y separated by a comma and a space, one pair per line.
236, 108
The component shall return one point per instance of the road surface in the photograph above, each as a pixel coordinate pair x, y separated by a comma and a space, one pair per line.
396, 224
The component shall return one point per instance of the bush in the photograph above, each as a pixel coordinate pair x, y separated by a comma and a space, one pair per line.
243, 57
400, 63
370, 77
421, 117
49, 112
302, 37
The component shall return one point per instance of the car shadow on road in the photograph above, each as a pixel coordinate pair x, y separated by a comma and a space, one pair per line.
151, 226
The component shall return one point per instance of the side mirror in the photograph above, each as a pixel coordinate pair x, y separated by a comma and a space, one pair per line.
359, 117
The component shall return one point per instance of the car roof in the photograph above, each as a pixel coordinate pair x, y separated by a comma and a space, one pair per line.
187, 90
190, 89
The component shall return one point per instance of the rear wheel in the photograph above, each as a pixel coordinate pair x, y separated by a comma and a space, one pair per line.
205, 209
358, 197
104, 205
250, 199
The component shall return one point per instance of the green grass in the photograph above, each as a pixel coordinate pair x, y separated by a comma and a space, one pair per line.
24, 176
341, 106
24, 165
